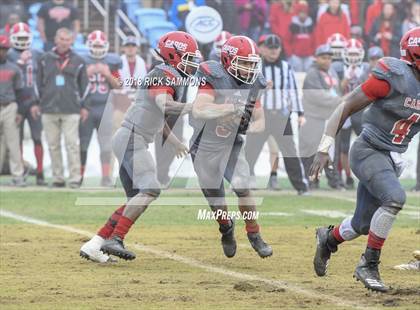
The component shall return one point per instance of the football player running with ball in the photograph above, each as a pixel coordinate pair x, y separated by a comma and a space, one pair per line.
392, 119
142, 122
226, 108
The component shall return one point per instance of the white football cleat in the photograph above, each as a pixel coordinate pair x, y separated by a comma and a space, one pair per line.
91, 250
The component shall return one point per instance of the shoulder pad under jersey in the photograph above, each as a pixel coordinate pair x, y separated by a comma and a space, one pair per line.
211, 70
389, 66
166, 70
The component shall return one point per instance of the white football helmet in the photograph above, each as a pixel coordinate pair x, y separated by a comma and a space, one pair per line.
353, 53
98, 44
21, 36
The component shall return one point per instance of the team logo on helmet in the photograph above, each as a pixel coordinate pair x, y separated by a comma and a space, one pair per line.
231, 50
413, 41
180, 46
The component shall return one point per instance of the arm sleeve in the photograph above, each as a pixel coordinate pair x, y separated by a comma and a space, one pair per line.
83, 84
157, 90
38, 80
206, 89
375, 88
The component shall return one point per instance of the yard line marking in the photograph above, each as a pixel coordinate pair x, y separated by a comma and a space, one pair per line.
327, 213
275, 214
195, 263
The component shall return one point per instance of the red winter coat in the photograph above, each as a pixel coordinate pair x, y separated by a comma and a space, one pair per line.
329, 24
280, 21
373, 12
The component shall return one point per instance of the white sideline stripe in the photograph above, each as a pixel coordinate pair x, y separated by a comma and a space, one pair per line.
327, 213
275, 214
195, 263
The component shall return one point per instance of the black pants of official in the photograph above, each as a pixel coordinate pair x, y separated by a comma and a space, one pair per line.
280, 128
165, 152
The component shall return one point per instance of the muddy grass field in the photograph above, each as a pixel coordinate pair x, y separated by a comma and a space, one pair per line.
180, 263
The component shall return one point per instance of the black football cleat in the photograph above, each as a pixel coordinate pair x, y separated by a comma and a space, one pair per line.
258, 244
228, 239
323, 250
367, 271
115, 246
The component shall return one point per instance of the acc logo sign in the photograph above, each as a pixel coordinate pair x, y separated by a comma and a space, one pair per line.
231, 50
414, 41
178, 45
204, 23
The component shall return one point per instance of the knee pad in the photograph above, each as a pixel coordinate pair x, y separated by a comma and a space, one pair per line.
37, 141
152, 192
395, 199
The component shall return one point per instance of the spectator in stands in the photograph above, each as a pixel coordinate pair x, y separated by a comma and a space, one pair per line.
413, 20
278, 104
321, 95
180, 9
13, 19
281, 14
63, 85
11, 84
386, 31
323, 7
252, 16
300, 38
227, 10
330, 22
373, 12
54, 15
133, 68
9, 7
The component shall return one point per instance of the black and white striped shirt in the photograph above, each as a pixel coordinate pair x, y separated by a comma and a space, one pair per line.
284, 95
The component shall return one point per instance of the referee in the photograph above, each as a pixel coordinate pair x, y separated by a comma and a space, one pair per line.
278, 103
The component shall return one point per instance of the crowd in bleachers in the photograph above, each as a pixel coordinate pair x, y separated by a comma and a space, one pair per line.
297, 29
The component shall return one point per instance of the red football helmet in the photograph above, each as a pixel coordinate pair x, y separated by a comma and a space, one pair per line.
220, 40
337, 43
20, 36
98, 44
180, 50
410, 47
240, 55
353, 53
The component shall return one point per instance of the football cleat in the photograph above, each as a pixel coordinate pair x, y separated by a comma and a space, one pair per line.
91, 250
368, 273
258, 244
228, 239
115, 246
323, 250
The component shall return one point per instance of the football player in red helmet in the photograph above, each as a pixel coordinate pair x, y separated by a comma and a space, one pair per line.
410, 48
103, 72
389, 125
226, 107
217, 45
27, 58
157, 97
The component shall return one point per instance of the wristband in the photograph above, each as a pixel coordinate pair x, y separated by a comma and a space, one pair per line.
325, 144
